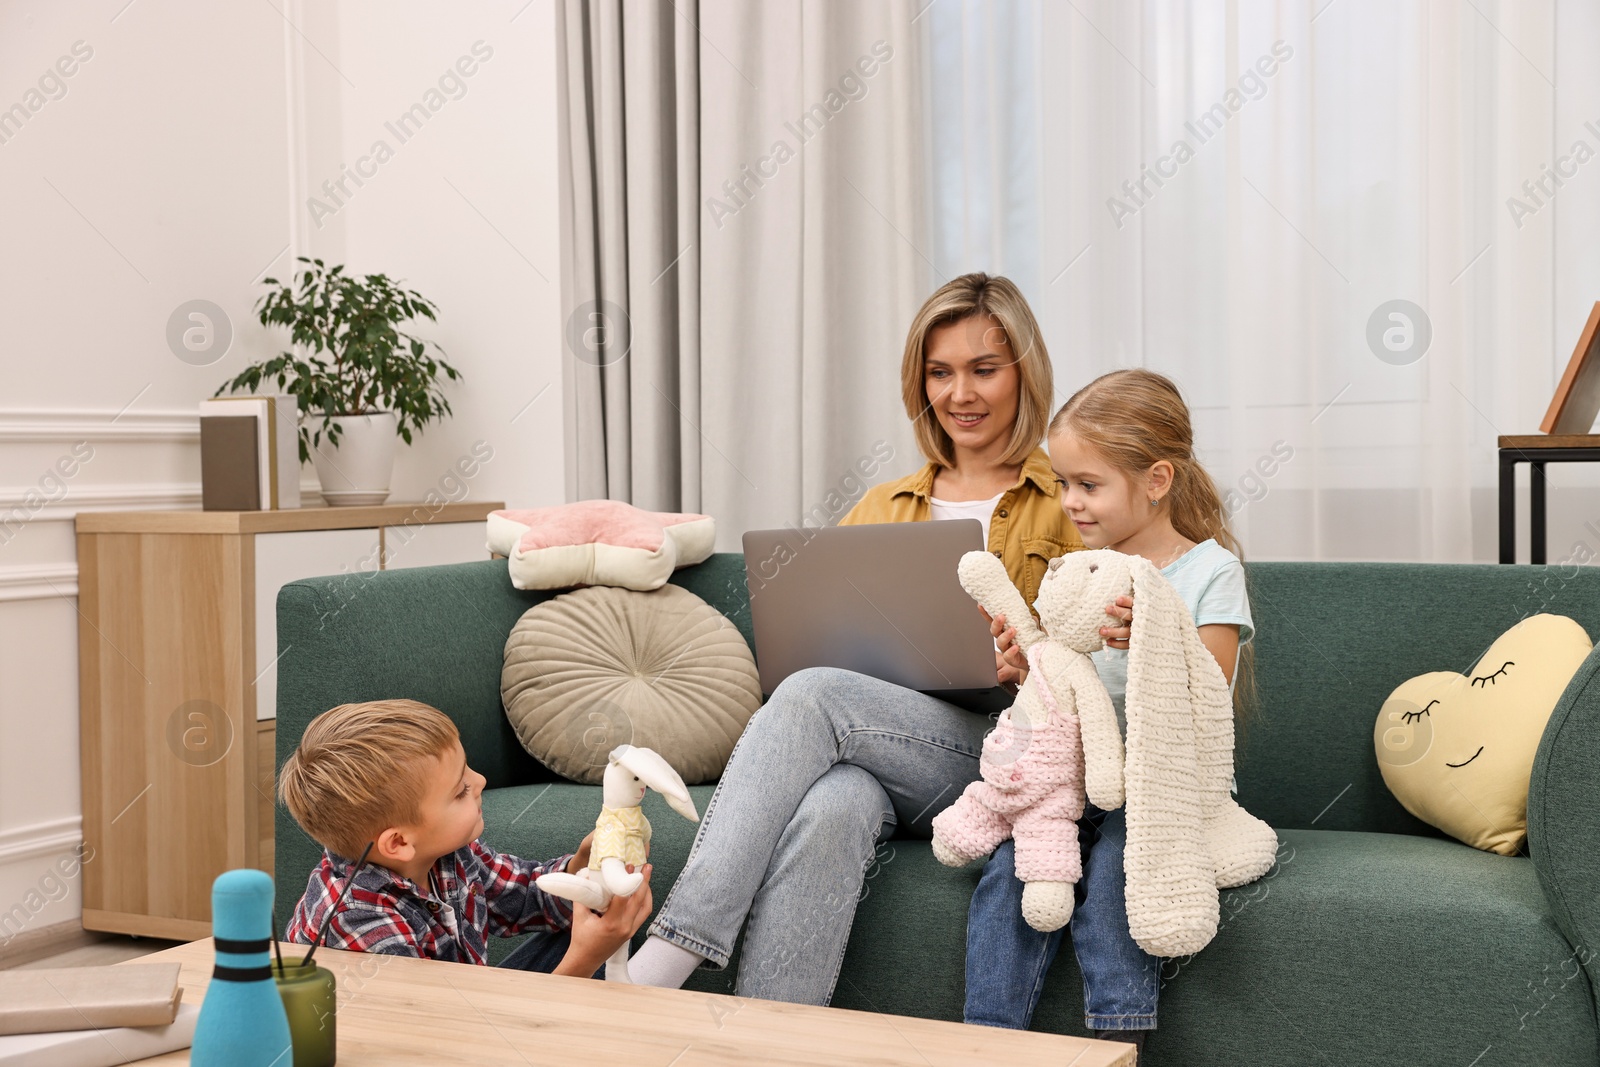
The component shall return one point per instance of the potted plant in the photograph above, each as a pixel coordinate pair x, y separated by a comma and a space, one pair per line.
363, 380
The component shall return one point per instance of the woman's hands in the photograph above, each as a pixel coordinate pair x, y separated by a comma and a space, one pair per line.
597, 934
1010, 662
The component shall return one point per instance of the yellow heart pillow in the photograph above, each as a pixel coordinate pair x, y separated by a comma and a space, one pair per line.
1457, 750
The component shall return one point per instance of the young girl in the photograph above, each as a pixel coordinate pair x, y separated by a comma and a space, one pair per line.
1122, 452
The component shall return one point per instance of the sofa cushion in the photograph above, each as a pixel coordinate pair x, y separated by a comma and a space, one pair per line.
598, 542
1457, 749
600, 667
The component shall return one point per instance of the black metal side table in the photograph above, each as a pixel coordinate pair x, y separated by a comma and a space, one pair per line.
1535, 450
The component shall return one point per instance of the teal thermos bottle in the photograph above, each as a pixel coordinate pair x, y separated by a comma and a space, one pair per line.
242, 1022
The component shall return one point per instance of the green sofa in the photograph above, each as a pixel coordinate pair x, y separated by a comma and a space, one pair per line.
1375, 940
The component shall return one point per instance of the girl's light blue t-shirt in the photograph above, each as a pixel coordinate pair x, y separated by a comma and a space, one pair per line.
1210, 579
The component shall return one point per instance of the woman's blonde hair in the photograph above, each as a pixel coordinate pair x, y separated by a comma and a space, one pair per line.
362, 768
1135, 418
958, 299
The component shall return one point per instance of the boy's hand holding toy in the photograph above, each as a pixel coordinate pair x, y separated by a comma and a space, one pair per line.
598, 935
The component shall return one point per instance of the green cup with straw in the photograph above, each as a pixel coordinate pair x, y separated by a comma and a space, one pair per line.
309, 992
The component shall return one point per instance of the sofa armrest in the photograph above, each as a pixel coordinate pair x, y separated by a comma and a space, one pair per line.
1564, 815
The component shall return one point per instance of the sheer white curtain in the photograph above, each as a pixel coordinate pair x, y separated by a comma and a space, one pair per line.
1232, 192
812, 263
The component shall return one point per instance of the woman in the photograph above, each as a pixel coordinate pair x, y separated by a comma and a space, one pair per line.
835, 760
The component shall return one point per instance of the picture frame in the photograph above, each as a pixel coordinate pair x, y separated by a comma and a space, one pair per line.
1577, 401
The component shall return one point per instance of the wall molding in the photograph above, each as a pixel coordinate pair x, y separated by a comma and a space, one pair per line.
37, 581
99, 424
131, 496
40, 839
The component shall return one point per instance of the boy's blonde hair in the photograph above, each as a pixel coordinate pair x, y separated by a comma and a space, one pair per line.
958, 299
361, 768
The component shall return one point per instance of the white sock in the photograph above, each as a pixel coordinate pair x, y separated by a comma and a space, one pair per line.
661, 963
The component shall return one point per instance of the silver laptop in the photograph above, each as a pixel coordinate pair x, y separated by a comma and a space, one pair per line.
880, 599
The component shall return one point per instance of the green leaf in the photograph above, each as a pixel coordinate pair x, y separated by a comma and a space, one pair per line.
357, 359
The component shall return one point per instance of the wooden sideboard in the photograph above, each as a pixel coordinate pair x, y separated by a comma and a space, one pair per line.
177, 665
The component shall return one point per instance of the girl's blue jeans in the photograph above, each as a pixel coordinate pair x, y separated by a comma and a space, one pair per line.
1007, 959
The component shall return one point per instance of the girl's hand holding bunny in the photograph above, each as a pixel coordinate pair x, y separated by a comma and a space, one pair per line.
1121, 627
1011, 663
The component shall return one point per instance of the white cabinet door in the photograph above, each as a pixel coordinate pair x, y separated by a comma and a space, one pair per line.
285, 557
431, 545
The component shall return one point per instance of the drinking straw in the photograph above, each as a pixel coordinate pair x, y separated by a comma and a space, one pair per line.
277, 945
322, 933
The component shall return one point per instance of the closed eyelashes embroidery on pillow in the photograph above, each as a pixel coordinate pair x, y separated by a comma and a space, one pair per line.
1412, 716
1488, 678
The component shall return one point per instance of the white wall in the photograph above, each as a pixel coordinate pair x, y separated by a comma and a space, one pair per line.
177, 165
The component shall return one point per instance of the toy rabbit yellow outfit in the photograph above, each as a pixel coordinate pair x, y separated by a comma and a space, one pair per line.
620, 833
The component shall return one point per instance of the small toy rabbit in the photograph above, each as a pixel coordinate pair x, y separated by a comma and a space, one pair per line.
1187, 837
621, 837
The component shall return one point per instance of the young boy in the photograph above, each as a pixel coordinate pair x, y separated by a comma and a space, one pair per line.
393, 773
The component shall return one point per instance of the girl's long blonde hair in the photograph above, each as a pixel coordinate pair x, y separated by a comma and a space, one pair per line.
961, 298
1135, 418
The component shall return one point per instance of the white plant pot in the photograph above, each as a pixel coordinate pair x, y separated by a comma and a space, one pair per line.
357, 470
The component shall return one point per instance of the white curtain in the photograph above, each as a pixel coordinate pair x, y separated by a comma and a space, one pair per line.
1309, 163
812, 253
630, 269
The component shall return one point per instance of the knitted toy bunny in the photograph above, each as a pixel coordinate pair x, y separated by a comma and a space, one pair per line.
1187, 837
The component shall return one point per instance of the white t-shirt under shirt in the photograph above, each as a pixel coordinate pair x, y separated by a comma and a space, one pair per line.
982, 510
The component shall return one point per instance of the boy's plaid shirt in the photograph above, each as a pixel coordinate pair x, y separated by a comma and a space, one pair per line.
478, 891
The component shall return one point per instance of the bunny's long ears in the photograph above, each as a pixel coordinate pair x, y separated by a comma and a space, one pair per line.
1175, 640
1172, 901
657, 773
985, 580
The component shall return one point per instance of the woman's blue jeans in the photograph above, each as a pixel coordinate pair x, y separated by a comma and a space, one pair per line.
1007, 959
829, 765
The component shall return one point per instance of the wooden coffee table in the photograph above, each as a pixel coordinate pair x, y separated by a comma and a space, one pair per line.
395, 1010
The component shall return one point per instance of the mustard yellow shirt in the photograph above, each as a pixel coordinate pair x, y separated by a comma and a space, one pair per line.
1027, 530
620, 833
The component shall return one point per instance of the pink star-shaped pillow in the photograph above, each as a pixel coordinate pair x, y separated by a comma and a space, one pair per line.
598, 542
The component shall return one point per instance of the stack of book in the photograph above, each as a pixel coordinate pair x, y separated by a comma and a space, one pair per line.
92, 1016
249, 453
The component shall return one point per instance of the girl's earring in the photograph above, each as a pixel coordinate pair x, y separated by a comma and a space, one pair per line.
1153, 503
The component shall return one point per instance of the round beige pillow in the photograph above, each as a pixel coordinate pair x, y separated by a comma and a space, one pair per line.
601, 667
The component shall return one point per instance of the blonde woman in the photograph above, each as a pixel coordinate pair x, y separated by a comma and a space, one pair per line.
837, 760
